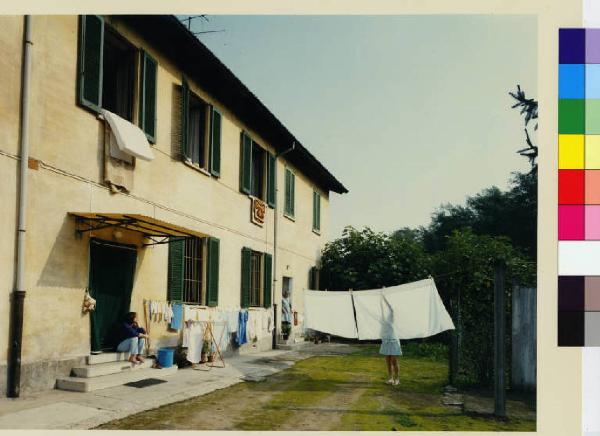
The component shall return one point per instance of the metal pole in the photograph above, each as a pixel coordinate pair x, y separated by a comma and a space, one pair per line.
275, 220
499, 340
18, 296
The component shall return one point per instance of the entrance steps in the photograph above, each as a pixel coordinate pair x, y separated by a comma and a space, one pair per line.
108, 370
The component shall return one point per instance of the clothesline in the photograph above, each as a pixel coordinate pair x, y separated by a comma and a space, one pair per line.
416, 311
457, 272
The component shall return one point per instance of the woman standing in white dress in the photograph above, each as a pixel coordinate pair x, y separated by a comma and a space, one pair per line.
390, 344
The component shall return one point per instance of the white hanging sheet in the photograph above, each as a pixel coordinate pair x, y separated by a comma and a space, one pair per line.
195, 341
417, 311
330, 312
130, 138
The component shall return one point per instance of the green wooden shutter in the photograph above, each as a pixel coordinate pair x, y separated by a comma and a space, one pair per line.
288, 193
215, 142
271, 179
268, 280
316, 211
212, 272
91, 47
185, 114
176, 269
312, 285
293, 194
245, 163
148, 78
246, 276
313, 278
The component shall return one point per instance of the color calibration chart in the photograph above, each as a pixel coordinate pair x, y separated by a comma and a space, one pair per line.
579, 188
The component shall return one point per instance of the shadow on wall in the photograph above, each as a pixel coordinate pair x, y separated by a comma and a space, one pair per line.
67, 263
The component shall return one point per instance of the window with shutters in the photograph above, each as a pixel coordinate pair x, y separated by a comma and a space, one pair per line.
257, 170
193, 275
118, 75
198, 131
256, 278
201, 132
194, 271
290, 188
108, 75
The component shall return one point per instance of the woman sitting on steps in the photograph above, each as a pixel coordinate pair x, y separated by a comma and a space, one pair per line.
132, 338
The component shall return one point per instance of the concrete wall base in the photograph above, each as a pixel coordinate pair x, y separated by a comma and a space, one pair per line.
40, 376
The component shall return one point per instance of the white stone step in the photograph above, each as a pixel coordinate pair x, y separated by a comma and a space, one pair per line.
94, 359
79, 384
99, 369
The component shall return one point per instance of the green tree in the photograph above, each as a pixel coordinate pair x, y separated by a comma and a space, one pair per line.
464, 274
364, 259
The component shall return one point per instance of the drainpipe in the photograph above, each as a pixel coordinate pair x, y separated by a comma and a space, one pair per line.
18, 297
275, 209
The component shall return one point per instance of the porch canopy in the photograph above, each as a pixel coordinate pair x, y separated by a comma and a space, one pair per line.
158, 231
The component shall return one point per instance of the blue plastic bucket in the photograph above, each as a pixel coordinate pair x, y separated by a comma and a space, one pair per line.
165, 357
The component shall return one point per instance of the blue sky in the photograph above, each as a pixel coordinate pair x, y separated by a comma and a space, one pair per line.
409, 112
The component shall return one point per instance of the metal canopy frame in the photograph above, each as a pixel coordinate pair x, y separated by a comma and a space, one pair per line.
159, 232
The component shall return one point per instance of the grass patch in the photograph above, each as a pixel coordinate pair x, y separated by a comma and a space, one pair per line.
337, 392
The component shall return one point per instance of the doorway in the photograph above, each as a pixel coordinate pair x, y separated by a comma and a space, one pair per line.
112, 269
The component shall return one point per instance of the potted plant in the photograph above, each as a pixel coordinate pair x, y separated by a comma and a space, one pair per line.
286, 328
205, 352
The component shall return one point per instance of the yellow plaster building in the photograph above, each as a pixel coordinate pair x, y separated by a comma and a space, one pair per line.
192, 218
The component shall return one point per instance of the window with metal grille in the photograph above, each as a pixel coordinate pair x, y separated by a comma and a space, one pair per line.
193, 291
256, 282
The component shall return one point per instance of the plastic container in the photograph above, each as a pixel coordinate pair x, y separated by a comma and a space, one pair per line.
165, 357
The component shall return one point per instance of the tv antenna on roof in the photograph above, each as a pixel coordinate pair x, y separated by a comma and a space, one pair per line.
188, 22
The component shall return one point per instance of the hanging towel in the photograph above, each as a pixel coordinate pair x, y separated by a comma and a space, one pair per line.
195, 342
232, 321
330, 312
418, 311
177, 319
241, 331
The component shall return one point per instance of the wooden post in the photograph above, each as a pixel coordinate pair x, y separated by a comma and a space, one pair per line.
499, 340
453, 358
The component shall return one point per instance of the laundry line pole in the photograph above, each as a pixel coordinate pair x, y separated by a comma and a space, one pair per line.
499, 342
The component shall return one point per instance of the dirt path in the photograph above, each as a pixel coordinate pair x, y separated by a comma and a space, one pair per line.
325, 414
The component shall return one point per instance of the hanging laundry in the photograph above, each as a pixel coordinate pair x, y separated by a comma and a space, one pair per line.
176, 320
221, 335
203, 315
195, 342
241, 332
188, 313
252, 327
418, 311
232, 321
330, 312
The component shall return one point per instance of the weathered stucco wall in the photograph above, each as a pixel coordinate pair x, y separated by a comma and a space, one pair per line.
67, 142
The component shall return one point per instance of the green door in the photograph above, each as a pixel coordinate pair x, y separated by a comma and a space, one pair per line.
112, 267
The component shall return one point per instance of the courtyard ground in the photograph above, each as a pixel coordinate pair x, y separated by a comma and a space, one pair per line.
338, 388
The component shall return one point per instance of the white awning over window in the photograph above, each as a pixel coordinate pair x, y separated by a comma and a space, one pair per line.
130, 138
